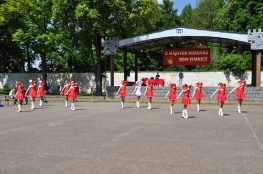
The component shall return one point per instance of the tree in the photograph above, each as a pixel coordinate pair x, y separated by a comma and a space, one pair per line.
204, 14
11, 53
186, 16
231, 62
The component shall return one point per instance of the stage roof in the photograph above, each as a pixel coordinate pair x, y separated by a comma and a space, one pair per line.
179, 35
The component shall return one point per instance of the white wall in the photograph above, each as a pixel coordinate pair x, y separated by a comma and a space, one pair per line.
208, 78
86, 80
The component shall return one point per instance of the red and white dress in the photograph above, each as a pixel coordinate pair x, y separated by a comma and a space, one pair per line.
149, 91
240, 93
122, 92
198, 93
32, 90
41, 89
172, 94
20, 93
221, 95
186, 100
72, 92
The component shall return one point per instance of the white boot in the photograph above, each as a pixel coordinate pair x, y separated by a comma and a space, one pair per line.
32, 105
171, 110
73, 107
19, 108
186, 115
138, 104
183, 114
221, 111
198, 106
40, 103
150, 107
122, 105
238, 109
66, 103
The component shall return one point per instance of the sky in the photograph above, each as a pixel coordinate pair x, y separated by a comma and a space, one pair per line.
180, 4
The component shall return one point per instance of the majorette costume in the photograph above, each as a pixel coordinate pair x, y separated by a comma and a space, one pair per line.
185, 99
138, 89
221, 97
138, 93
72, 94
222, 93
149, 90
172, 95
19, 94
41, 91
64, 91
149, 93
198, 93
122, 92
240, 93
32, 92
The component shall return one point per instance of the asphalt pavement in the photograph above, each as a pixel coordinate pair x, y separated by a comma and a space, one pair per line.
102, 138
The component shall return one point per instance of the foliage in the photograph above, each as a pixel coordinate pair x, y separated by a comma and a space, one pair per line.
65, 35
231, 62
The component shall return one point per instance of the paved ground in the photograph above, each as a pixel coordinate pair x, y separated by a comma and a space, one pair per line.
102, 138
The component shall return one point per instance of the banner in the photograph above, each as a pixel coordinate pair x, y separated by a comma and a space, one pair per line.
186, 56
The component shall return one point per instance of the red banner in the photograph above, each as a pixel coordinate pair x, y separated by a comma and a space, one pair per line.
186, 56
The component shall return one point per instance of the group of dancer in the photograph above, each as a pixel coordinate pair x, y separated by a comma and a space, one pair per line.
69, 90
197, 94
31, 91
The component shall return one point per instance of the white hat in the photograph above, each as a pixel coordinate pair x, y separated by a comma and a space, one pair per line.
30, 81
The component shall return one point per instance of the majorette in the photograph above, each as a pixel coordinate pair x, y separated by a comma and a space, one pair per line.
122, 92
221, 97
138, 92
19, 95
240, 93
149, 93
197, 94
172, 96
32, 92
185, 99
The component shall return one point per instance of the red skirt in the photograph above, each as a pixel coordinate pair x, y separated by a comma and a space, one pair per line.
186, 101
40, 93
122, 93
19, 96
221, 98
73, 95
240, 95
172, 96
149, 94
32, 93
198, 95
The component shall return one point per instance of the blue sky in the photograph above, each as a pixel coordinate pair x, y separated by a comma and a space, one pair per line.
180, 4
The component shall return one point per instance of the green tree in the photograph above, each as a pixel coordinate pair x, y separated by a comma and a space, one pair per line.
231, 62
204, 14
186, 16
